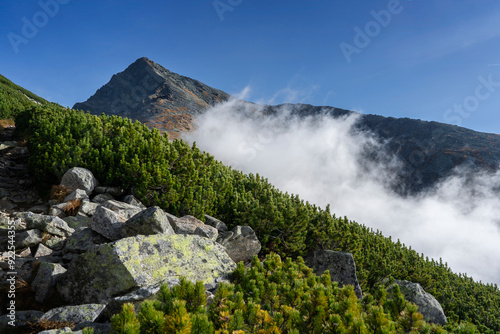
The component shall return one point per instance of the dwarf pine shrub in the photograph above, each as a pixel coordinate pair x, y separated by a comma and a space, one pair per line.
275, 296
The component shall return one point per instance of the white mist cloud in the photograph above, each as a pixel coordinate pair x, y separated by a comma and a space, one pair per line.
320, 159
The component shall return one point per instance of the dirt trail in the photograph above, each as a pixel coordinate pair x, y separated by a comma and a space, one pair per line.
17, 192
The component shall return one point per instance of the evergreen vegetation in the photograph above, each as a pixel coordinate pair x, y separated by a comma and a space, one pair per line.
14, 98
183, 180
276, 297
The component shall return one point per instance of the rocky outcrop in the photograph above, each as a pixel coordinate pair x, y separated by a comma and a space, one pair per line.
151, 94
341, 266
117, 268
110, 249
427, 304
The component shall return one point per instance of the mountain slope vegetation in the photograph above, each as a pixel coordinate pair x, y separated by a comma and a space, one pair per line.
14, 98
183, 180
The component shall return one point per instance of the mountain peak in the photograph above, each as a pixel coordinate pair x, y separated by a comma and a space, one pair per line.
143, 62
143, 59
148, 92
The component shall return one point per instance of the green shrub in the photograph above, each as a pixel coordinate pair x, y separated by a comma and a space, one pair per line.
14, 99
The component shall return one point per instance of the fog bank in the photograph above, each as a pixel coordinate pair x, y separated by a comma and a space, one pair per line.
321, 159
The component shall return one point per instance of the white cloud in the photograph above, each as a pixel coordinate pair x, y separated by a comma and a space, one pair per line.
320, 160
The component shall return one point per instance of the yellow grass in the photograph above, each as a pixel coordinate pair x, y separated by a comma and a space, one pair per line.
5, 123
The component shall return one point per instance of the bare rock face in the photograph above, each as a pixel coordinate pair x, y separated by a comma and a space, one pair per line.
117, 268
153, 95
427, 304
341, 266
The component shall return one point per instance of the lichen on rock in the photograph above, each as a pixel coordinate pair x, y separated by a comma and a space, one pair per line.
117, 268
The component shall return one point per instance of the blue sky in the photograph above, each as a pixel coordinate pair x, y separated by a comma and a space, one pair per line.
431, 60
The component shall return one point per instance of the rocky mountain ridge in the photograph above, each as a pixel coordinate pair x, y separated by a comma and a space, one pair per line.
151, 94
429, 151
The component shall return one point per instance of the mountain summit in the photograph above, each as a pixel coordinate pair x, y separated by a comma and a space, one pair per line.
153, 95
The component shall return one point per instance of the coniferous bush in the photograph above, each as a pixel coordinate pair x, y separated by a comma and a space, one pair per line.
14, 99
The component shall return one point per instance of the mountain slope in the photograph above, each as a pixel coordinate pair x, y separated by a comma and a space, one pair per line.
151, 94
430, 151
14, 98
115, 148
182, 180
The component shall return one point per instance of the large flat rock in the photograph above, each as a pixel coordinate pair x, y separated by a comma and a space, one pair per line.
117, 268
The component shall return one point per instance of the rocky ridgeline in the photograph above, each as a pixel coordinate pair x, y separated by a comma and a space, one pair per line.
80, 260
151, 94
